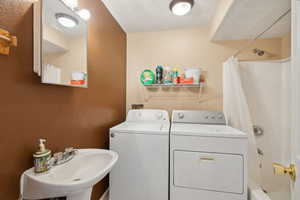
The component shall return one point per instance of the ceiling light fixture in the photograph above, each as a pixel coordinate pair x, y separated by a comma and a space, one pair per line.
181, 7
66, 20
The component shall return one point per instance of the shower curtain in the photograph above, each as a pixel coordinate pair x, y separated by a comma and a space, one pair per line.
266, 85
238, 115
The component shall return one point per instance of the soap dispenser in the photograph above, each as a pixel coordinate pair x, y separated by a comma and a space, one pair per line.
42, 158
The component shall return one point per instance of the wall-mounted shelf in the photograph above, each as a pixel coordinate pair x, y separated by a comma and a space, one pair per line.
172, 91
200, 85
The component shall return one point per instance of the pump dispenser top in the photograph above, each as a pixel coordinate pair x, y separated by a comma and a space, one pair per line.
42, 147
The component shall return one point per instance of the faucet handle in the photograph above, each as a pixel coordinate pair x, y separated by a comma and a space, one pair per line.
69, 150
58, 156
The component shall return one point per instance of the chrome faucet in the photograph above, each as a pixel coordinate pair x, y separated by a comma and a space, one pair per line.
63, 157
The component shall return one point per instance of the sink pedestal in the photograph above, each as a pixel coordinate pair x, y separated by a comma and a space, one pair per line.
81, 195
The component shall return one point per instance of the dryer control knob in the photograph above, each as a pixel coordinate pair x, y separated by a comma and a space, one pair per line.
180, 115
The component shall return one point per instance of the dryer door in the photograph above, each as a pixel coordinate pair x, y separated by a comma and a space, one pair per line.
209, 171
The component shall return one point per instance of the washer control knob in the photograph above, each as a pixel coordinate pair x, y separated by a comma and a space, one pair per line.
180, 115
213, 117
206, 117
220, 116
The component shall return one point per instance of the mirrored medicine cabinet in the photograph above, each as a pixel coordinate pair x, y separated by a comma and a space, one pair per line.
60, 44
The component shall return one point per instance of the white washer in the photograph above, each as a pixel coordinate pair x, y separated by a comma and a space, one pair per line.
207, 158
142, 142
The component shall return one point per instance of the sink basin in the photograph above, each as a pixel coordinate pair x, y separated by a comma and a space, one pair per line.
73, 179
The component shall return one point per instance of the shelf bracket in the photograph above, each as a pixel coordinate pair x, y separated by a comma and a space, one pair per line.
7, 41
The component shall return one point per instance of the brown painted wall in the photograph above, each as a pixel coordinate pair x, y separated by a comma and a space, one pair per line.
64, 116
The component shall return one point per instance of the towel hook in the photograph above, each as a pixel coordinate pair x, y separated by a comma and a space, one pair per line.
7, 41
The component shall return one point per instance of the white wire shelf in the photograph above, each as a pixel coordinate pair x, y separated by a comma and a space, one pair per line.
199, 85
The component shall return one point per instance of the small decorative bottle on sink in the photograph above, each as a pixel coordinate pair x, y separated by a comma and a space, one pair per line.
42, 158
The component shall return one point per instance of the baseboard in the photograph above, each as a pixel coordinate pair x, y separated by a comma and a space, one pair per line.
105, 195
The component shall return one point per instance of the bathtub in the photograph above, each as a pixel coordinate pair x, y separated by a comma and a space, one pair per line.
256, 193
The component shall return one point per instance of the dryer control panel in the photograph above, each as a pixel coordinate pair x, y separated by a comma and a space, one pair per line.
198, 117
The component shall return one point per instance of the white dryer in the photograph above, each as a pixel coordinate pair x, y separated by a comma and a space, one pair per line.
207, 158
142, 143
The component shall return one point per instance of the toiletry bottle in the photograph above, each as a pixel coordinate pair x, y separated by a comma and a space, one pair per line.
42, 158
181, 78
167, 75
175, 75
159, 74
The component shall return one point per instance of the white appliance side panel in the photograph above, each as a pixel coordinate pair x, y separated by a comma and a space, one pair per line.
141, 172
209, 171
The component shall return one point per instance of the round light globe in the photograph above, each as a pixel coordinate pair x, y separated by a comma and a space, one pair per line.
66, 20
84, 14
181, 7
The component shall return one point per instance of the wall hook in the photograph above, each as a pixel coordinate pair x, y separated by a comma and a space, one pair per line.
7, 41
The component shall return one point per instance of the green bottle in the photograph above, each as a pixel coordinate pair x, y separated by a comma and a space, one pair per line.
159, 74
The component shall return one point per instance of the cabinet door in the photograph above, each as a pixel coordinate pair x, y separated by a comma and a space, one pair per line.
295, 106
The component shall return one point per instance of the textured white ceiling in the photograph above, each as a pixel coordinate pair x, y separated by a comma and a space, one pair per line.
247, 18
154, 15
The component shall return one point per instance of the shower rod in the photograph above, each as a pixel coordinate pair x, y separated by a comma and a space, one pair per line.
259, 35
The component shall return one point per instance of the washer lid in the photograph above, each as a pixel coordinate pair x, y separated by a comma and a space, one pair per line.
142, 128
206, 130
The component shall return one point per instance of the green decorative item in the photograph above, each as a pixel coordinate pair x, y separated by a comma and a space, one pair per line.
147, 77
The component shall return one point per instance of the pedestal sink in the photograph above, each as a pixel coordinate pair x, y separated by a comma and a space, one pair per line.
74, 179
